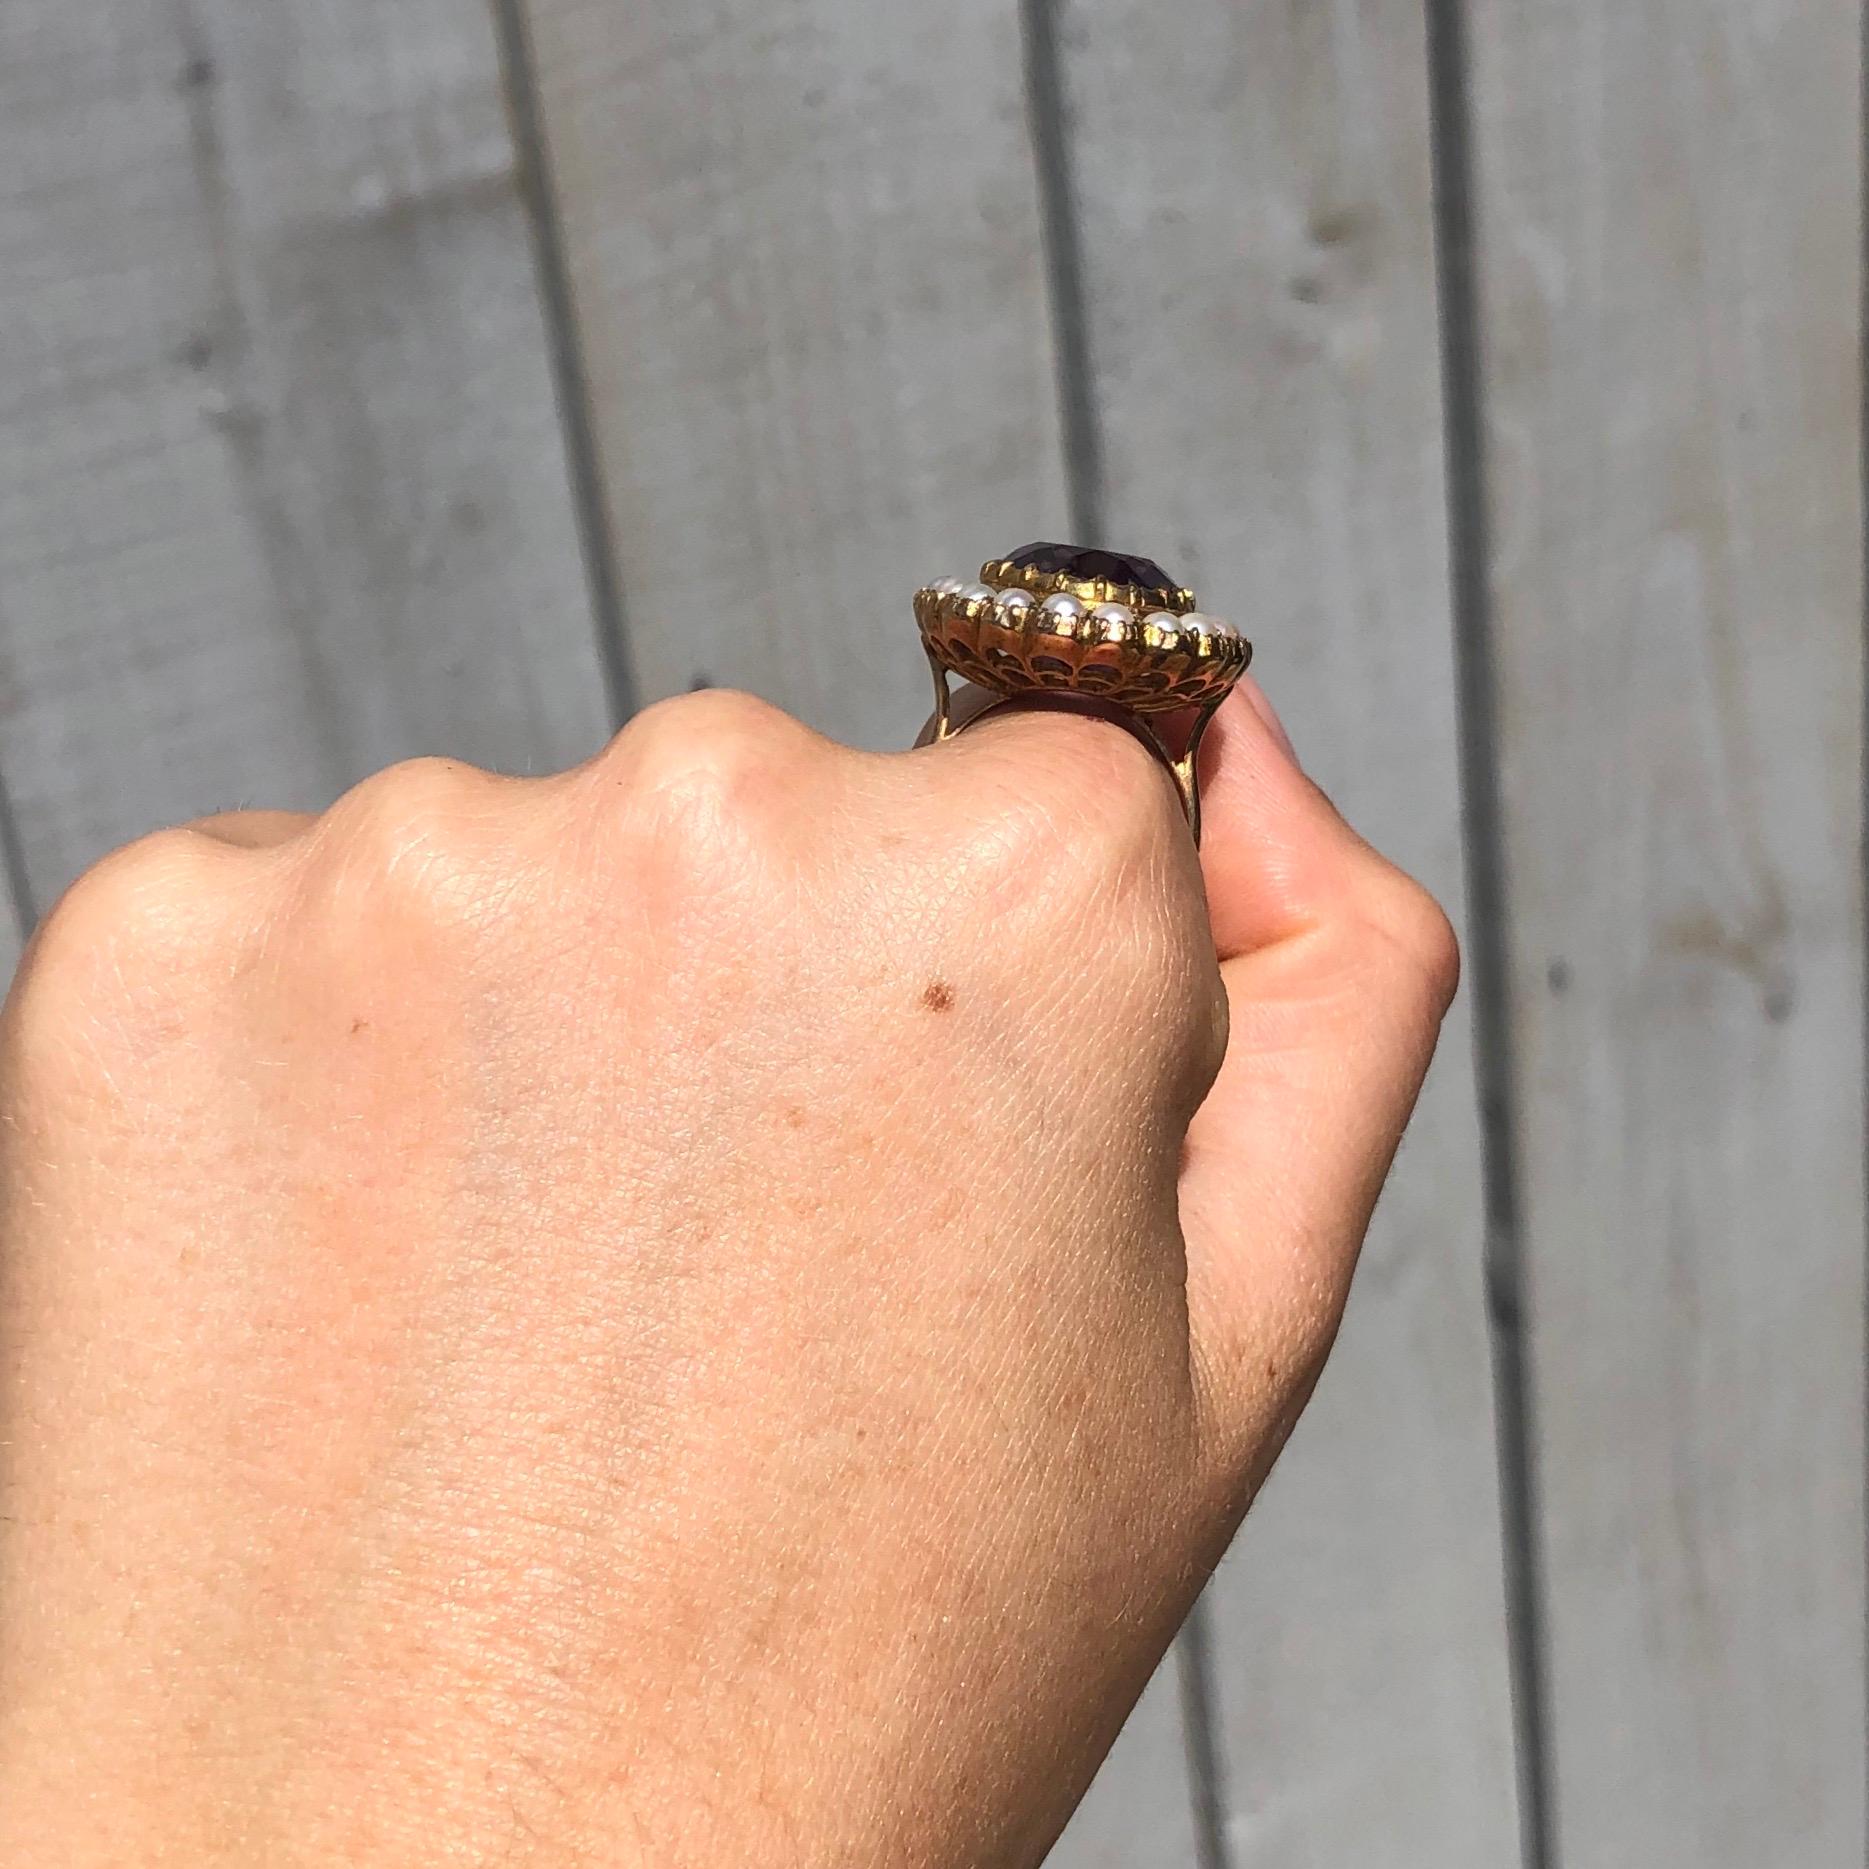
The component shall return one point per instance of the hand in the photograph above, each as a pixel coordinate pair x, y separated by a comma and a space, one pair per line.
713, 1309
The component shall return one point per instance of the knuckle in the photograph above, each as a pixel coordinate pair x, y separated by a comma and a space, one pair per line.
422, 835
1073, 846
1412, 933
1081, 807
407, 800
145, 900
1168, 1013
708, 778
1175, 993
112, 965
1116, 798
716, 741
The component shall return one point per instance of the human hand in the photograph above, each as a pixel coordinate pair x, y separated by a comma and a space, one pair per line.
713, 1309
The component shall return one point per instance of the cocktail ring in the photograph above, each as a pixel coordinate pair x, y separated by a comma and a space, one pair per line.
1063, 619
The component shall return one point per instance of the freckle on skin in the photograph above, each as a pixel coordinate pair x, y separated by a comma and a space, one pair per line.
359, 1025
938, 996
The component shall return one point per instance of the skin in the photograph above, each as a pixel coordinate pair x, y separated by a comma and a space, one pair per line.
717, 1308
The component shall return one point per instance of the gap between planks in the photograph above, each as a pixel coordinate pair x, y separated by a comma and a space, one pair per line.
1488, 956
565, 355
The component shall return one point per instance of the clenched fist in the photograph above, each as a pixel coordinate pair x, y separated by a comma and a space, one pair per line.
716, 1309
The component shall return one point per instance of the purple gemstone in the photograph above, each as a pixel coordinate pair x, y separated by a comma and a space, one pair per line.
1092, 566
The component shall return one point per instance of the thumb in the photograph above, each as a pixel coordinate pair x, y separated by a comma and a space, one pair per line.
1338, 970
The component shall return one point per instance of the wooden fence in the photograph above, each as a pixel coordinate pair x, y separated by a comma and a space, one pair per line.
387, 379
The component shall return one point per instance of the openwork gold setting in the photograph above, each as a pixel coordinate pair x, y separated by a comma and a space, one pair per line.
1145, 649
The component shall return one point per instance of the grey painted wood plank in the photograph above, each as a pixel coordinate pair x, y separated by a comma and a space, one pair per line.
1254, 196
12, 877
12, 938
804, 243
806, 257
282, 495
1669, 240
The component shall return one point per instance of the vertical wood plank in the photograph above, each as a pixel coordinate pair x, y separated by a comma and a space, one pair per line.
12, 937
13, 893
1255, 209
808, 272
1668, 239
808, 267
282, 495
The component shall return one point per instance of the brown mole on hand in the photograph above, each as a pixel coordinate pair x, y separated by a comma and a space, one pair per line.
938, 996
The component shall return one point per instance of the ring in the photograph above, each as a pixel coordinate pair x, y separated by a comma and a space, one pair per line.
1066, 619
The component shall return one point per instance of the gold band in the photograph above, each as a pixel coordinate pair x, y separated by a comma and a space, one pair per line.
943, 725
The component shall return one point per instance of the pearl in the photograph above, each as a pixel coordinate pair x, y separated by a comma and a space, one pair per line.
1208, 629
1114, 620
1016, 599
947, 587
1063, 609
976, 594
1163, 620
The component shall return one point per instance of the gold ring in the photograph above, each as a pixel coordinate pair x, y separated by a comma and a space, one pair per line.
1065, 619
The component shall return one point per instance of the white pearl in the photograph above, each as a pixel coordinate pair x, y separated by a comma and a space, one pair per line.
946, 587
1016, 599
976, 594
1163, 620
1064, 607
1114, 613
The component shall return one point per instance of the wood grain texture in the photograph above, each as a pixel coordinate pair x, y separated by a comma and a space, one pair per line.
806, 257
281, 489
1669, 236
1254, 195
805, 253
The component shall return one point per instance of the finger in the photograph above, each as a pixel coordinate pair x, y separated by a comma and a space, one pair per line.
979, 707
1273, 847
1260, 703
252, 830
971, 703
1067, 750
1069, 833
1338, 970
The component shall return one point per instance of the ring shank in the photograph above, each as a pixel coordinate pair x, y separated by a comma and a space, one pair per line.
953, 716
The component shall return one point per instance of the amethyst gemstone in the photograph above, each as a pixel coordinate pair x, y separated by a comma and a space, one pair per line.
1090, 565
